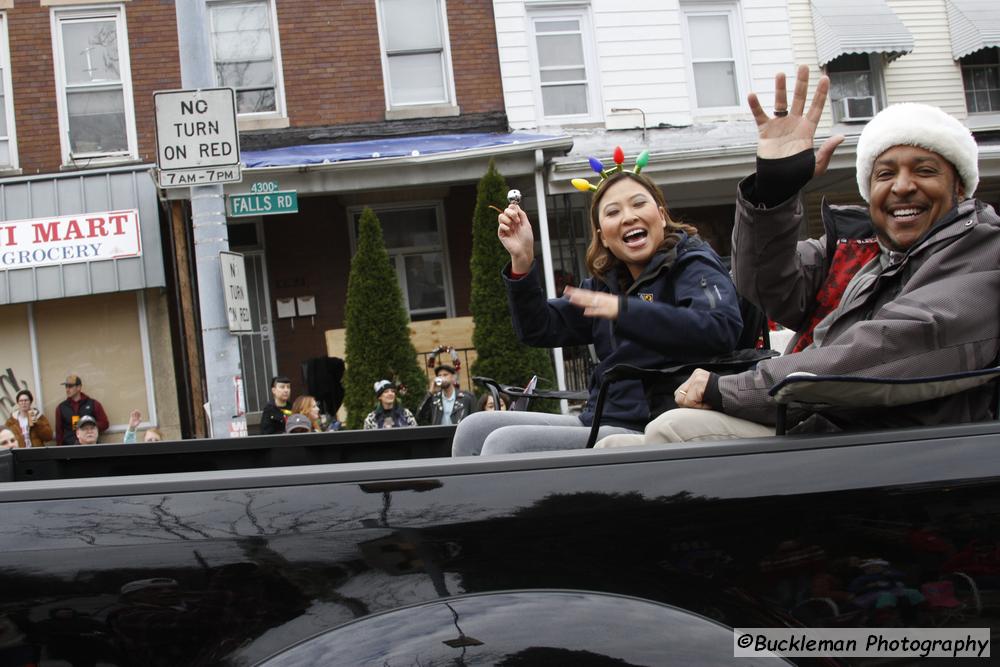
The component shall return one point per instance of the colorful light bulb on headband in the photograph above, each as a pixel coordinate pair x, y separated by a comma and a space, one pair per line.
641, 161
584, 185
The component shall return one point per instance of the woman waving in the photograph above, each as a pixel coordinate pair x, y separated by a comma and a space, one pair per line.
658, 296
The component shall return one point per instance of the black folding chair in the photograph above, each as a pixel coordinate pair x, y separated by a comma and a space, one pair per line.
519, 398
659, 383
822, 393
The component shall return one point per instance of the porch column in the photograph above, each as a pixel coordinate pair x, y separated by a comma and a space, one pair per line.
550, 281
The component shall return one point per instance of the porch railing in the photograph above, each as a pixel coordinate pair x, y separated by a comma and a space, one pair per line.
577, 361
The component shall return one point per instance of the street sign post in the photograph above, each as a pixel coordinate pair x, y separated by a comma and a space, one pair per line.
234, 281
197, 141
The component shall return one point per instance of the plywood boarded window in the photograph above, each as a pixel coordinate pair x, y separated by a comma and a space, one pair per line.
97, 338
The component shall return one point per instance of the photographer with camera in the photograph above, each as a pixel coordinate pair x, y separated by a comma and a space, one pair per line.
445, 403
28, 424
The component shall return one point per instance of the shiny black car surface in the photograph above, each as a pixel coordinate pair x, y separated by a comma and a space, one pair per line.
263, 565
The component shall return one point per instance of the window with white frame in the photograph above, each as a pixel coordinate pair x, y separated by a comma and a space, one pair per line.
416, 62
413, 236
246, 54
981, 79
855, 86
8, 139
717, 55
564, 56
96, 114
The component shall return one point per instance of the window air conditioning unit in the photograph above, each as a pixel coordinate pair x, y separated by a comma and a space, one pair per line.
854, 109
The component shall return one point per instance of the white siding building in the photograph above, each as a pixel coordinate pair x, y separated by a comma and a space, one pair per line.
672, 76
566, 64
669, 76
946, 55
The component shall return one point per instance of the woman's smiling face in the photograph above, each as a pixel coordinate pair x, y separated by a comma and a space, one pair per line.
632, 225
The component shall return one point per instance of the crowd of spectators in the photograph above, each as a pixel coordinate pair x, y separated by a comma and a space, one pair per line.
81, 419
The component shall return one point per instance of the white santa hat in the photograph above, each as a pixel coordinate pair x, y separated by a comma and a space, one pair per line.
924, 126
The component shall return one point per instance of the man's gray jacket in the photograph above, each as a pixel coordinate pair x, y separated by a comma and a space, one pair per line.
934, 310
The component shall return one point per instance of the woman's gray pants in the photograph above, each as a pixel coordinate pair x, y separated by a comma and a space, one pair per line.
507, 432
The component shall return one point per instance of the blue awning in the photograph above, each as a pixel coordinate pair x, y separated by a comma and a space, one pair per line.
374, 149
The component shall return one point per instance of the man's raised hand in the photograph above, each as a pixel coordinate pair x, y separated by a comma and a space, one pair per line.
792, 129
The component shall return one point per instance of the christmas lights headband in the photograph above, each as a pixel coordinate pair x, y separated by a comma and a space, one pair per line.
583, 185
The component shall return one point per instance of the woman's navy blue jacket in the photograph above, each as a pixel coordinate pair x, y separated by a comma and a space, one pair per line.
682, 308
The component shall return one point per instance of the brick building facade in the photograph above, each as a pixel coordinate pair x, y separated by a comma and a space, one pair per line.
308, 76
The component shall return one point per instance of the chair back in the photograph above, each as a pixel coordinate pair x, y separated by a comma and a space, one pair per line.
521, 404
817, 393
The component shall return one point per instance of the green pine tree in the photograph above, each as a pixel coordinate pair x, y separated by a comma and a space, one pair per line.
378, 344
499, 354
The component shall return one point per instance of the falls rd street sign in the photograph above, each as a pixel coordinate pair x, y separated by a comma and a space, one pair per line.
263, 203
197, 142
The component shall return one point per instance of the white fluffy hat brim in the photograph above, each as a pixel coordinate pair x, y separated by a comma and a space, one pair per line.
924, 126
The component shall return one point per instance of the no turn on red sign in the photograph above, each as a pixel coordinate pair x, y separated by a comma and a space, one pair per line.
197, 140
234, 286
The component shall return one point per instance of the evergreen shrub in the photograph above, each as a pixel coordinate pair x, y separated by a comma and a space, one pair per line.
378, 344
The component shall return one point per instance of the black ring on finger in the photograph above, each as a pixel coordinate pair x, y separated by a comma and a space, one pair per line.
780, 113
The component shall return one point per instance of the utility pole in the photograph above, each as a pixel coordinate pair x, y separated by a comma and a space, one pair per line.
208, 218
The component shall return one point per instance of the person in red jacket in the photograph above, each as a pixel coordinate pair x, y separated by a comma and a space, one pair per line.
76, 405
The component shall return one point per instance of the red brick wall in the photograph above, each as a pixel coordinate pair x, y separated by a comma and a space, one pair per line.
330, 55
331, 63
474, 55
152, 36
32, 77
154, 60
333, 67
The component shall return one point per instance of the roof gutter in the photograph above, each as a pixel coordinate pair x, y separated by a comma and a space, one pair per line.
563, 143
407, 171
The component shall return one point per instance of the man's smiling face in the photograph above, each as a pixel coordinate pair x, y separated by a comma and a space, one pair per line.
911, 189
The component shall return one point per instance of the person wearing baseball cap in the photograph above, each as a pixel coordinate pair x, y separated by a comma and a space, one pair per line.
86, 430
76, 406
298, 423
908, 286
445, 402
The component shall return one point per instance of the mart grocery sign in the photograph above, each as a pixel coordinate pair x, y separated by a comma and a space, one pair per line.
69, 239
